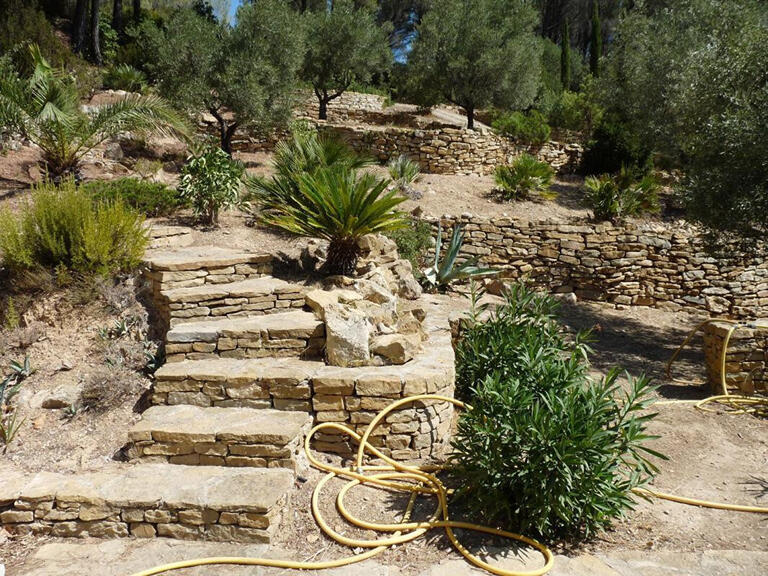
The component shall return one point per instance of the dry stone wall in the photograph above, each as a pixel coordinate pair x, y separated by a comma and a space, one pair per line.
348, 106
649, 264
452, 150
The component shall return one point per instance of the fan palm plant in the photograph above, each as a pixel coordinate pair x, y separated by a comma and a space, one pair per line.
45, 109
341, 206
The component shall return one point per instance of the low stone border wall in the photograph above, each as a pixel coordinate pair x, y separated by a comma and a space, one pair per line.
653, 264
145, 501
746, 360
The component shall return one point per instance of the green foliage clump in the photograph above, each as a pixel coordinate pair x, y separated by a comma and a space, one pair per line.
404, 172
526, 174
211, 181
531, 128
345, 45
474, 53
413, 242
149, 198
125, 77
545, 449
575, 111
63, 228
615, 198
45, 108
445, 272
614, 144
688, 79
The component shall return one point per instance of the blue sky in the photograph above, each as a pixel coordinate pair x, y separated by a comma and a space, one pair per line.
233, 8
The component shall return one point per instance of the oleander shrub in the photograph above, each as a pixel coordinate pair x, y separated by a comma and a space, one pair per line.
152, 199
525, 175
210, 182
618, 197
531, 127
65, 229
545, 449
125, 77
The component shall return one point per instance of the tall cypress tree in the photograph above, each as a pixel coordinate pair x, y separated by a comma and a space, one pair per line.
596, 41
565, 56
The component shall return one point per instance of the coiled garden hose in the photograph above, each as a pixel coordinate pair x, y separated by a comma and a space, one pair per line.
415, 480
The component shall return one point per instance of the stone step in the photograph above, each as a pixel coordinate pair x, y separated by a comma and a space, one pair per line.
199, 265
192, 435
183, 502
256, 296
286, 334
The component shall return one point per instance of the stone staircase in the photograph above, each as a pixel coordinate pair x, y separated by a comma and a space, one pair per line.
215, 456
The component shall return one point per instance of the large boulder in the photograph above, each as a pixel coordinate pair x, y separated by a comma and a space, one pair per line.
396, 348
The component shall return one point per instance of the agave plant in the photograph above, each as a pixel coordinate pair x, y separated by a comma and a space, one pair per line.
441, 274
45, 109
341, 206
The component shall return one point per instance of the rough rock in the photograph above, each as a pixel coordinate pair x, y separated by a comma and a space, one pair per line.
396, 348
347, 334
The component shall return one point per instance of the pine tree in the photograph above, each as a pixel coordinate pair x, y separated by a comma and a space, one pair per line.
596, 41
565, 56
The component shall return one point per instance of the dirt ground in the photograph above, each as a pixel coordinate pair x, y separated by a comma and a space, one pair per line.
711, 456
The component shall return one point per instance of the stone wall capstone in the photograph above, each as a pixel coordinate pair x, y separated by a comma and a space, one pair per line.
649, 264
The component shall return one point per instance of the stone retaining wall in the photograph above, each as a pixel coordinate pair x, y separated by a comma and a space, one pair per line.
453, 150
348, 106
746, 360
652, 264
438, 151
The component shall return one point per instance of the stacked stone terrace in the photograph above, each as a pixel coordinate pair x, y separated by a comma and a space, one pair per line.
215, 456
746, 359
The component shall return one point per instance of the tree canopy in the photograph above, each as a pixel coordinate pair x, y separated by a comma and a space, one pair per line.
243, 76
345, 45
689, 79
474, 53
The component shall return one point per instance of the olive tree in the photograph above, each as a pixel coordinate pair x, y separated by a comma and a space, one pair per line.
345, 45
688, 77
474, 53
244, 76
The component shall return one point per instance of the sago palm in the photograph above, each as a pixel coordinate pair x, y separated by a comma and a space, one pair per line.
45, 109
341, 206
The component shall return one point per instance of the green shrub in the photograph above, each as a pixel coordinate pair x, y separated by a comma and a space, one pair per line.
525, 175
64, 228
531, 128
211, 181
150, 198
544, 450
413, 242
125, 77
617, 197
575, 111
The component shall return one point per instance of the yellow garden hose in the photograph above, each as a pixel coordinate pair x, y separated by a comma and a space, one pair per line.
733, 403
415, 480
393, 476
